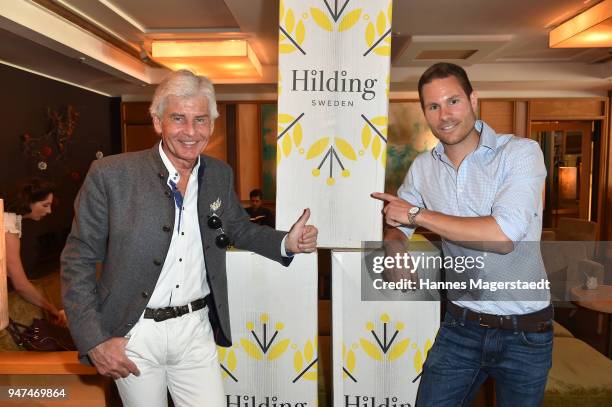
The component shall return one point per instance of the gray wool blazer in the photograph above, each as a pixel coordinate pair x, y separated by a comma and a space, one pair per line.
124, 218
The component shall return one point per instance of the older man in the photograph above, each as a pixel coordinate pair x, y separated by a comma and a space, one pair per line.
160, 222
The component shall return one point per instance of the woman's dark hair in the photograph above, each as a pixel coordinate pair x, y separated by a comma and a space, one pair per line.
27, 193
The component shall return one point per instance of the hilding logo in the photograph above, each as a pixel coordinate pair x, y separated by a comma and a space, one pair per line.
337, 82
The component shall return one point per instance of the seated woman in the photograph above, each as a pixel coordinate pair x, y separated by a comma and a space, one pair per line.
32, 201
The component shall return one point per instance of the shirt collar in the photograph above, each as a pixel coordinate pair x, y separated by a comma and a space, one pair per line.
173, 174
488, 139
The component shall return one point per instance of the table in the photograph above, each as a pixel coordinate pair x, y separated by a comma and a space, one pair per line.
599, 300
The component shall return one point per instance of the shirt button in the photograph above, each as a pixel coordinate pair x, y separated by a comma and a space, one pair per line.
157, 262
177, 286
145, 294
182, 233
180, 259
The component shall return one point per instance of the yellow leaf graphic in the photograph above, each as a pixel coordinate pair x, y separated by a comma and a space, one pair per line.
277, 350
317, 148
286, 144
298, 361
398, 349
285, 118
418, 361
383, 50
371, 349
381, 23
370, 34
387, 39
300, 32
281, 11
281, 37
345, 148
321, 19
286, 48
376, 144
251, 349
308, 351
350, 361
221, 353
380, 120
310, 376
349, 20
232, 361
289, 21
366, 136
297, 134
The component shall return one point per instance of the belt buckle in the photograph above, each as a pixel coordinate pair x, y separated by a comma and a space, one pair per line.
481, 323
161, 314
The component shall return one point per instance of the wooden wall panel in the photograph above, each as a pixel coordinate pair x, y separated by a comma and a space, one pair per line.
249, 149
4, 316
520, 118
217, 146
138, 137
499, 114
135, 112
567, 109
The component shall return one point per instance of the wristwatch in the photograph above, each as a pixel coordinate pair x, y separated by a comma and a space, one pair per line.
412, 214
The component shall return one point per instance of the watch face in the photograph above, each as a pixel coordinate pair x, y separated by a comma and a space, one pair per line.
414, 210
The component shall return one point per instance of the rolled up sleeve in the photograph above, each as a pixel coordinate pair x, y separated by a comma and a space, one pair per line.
409, 192
518, 202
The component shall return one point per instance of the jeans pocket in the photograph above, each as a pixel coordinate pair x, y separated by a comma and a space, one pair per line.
537, 339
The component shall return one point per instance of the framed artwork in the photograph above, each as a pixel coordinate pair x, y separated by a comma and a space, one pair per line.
268, 150
408, 136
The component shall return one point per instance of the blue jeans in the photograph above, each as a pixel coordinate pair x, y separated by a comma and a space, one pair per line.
465, 353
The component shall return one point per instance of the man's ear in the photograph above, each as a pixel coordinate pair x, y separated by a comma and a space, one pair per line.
474, 100
157, 124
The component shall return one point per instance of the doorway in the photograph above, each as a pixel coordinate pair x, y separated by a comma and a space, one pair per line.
568, 156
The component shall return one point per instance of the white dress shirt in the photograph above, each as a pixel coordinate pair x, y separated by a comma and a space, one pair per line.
183, 275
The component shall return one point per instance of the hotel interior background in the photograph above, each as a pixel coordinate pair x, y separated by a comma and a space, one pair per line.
541, 72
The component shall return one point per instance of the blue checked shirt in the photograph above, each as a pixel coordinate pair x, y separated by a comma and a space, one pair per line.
503, 178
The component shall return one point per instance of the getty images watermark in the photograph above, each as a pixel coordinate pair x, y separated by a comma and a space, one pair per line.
431, 271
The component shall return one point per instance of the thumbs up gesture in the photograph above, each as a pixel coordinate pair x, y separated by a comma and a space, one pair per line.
302, 238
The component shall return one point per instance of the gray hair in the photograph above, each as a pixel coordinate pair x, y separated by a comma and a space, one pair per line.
183, 83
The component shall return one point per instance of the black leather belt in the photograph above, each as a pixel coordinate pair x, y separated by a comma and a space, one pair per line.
162, 314
539, 321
